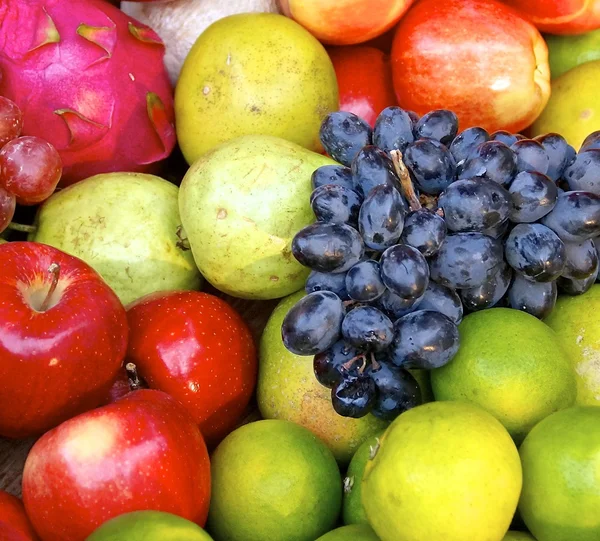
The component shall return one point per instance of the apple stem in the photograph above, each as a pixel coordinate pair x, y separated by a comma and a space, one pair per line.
132, 375
53, 269
22, 227
405, 181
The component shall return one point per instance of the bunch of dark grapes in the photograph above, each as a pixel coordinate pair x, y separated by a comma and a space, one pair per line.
419, 223
30, 167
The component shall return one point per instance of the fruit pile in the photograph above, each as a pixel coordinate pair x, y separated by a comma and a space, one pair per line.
289, 270
419, 224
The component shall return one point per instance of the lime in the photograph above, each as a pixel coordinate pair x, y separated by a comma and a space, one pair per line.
444, 471
566, 52
353, 532
287, 389
561, 476
574, 106
352, 507
576, 324
149, 526
273, 480
511, 364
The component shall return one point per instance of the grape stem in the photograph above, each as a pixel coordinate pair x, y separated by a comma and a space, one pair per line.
349, 364
405, 181
22, 227
132, 375
54, 270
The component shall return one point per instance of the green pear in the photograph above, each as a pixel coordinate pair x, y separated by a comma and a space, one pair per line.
287, 389
566, 52
241, 205
127, 227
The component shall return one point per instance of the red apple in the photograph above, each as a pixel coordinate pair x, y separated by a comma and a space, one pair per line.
345, 22
198, 349
8, 533
364, 79
478, 58
143, 452
13, 517
62, 339
560, 16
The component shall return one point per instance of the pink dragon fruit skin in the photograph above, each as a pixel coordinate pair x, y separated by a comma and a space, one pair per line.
91, 81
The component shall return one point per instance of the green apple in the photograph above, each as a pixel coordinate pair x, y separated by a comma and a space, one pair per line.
354, 532
127, 227
566, 52
241, 205
149, 526
287, 389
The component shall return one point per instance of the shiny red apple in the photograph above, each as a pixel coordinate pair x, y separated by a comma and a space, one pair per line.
479, 58
198, 349
143, 452
14, 519
364, 79
62, 339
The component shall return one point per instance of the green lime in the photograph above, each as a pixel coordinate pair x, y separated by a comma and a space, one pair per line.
273, 480
444, 471
353, 532
352, 507
149, 526
566, 52
561, 476
512, 365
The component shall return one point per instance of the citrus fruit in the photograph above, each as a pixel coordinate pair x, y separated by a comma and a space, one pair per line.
353, 532
561, 476
517, 536
273, 480
511, 364
566, 52
444, 471
253, 73
149, 526
575, 322
352, 507
574, 106
287, 389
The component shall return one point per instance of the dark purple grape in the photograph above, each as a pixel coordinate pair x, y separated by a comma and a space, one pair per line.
444, 300
397, 391
343, 134
557, 150
505, 137
492, 160
441, 125
363, 281
424, 339
575, 217
381, 217
536, 252
424, 230
394, 306
466, 142
581, 260
489, 293
532, 196
332, 174
393, 129
372, 167
328, 247
531, 156
474, 204
466, 260
336, 204
328, 365
354, 396
592, 141
313, 324
327, 281
498, 231
404, 271
414, 117
577, 287
535, 298
367, 327
431, 165
584, 173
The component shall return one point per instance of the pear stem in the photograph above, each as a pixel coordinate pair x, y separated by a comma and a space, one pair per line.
22, 227
132, 375
54, 270
405, 181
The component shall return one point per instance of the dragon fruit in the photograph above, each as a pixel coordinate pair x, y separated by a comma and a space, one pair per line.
90, 80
